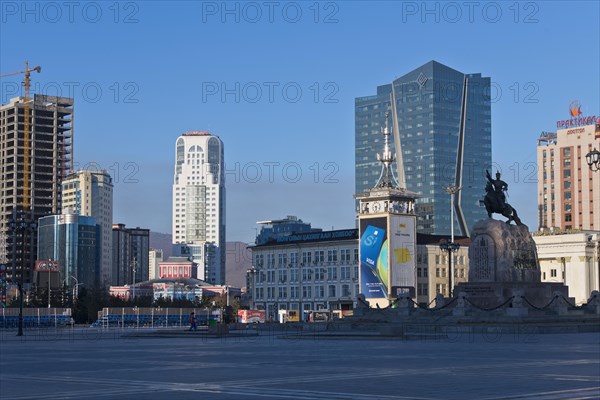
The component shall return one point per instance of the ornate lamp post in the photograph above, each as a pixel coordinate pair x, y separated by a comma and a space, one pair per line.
451, 248
593, 159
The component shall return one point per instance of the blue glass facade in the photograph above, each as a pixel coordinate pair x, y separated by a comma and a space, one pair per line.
73, 241
428, 101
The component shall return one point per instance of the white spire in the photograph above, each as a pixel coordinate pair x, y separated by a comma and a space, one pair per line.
398, 144
386, 179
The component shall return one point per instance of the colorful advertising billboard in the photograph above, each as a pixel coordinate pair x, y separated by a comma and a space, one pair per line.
387, 256
402, 238
373, 248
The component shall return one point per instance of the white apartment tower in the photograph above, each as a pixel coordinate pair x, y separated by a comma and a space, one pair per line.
199, 204
90, 193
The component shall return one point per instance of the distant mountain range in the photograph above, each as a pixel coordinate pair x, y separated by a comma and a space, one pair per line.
238, 257
162, 241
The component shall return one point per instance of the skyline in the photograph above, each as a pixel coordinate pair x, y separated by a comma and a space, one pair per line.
557, 62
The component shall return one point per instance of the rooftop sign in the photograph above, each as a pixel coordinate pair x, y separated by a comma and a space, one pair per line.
576, 118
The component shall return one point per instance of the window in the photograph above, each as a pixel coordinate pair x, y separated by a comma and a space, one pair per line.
345, 273
567, 173
306, 274
306, 291
332, 273
294, 275
440, 288
553, 273
355, 255
282, 259
568, 218
306, 257
282, 276
320, 291
319, 274
331, 256
345, 255
422, 289
345, 290
320, 256
331, 291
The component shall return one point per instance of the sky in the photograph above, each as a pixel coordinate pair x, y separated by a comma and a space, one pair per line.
276, 81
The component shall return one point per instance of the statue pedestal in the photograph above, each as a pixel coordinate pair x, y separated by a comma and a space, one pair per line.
503, 265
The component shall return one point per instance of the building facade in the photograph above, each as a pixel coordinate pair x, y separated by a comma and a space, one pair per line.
155, 257
430, 141
199, 204
178, 267
307, 271
90, 193
572, 259
433, 267
289, 225
50, 161
131, 249
72, 240
319, 271
568, 190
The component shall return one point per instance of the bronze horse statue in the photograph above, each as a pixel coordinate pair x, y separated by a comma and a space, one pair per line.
494, 200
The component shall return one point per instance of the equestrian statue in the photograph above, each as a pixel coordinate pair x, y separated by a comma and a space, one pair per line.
495, 199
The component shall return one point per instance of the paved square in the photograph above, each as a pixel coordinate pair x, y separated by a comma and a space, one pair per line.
93, 364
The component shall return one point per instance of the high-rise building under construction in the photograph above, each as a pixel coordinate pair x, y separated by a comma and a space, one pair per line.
49, 161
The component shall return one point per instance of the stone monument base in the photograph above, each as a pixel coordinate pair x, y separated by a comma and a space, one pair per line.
492, 294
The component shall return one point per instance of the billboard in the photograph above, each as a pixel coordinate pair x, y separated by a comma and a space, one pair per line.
387, 256
373, 248
402, 239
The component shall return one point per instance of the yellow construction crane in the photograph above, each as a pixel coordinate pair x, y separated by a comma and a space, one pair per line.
26, 87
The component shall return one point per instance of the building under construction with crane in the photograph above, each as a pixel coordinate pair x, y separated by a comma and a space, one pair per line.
35, 156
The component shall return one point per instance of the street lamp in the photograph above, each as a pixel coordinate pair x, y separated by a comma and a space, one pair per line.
250, 288
593, 159
75, 291
134, 269
451, 248
50, 265
20, 222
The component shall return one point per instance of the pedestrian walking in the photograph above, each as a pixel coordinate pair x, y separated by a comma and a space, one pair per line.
192, 321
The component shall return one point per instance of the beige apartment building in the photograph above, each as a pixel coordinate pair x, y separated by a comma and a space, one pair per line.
568, 190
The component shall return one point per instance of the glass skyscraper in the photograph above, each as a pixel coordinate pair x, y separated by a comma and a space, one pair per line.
72, 240
429, 101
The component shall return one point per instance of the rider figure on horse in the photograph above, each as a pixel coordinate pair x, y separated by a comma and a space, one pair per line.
495, 199
499, 188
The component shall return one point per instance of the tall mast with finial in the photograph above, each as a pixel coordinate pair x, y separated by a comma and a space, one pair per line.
386, 179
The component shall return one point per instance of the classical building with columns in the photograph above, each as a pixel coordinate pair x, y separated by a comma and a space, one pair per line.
572, 259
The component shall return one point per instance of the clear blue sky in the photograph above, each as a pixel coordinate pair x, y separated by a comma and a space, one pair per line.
144, 72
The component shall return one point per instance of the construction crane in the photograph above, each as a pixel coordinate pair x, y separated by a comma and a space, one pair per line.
26, 87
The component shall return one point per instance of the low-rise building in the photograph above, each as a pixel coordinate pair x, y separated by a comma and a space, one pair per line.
572, 259
433, 266
306, 271
178, 267
319, 271
155, 257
